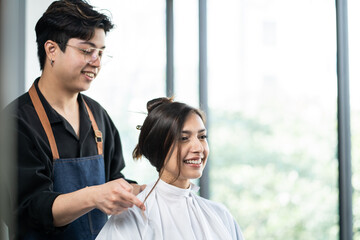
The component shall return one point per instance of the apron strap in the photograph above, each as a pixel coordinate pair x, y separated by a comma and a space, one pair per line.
98, 134
47, 127
44, 121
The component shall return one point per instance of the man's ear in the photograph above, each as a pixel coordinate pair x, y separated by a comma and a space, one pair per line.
51, 48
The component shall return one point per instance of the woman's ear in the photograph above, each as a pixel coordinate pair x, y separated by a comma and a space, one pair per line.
50, 48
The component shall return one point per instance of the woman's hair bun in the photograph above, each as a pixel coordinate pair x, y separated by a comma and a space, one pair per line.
152, 104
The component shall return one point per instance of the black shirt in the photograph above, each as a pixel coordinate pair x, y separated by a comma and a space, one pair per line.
35, 161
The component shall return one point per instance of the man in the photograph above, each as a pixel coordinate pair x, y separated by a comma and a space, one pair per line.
69, 151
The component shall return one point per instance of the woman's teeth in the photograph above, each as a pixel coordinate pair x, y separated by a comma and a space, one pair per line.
193, 161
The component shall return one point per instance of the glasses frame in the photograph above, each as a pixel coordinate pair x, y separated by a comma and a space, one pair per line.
89, 53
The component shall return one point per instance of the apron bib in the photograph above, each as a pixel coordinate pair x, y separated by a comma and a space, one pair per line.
72, 174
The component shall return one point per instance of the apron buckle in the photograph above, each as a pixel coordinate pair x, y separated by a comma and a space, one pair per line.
98, 136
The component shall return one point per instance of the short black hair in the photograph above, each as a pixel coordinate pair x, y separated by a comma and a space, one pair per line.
67, 19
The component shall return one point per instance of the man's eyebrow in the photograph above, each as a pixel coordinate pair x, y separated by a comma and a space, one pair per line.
91, 44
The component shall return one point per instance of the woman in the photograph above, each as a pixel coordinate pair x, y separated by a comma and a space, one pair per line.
173, 138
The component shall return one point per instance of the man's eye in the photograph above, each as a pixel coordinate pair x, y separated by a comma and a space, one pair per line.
88, 51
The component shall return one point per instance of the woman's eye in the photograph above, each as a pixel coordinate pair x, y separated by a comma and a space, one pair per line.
203, 137
184, 138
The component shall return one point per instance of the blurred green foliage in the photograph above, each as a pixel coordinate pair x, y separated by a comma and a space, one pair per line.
276, 172
355, 142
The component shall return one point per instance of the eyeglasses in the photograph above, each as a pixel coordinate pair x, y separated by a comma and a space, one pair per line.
92, 54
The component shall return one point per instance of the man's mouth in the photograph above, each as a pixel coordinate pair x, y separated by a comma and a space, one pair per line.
89, 74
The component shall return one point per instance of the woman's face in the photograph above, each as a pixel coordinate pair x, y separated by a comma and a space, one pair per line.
194, 153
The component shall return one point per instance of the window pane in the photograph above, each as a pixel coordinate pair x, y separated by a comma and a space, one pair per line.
186, 51
135, 75
34, 10
272, 99
354, 72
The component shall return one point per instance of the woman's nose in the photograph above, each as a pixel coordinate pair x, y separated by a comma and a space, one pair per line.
197, 146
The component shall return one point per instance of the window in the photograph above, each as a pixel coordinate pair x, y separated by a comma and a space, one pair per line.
354, 72
136, 74
272, 100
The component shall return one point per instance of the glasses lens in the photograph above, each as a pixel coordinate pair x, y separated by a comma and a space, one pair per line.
93, 54
105, 58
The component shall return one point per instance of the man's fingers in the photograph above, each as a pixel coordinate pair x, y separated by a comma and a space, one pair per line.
125, 185
130, 198
137, 188
139, 204
134, 200
124, 195
142, 187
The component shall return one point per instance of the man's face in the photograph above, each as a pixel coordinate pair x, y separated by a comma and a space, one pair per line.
78, 66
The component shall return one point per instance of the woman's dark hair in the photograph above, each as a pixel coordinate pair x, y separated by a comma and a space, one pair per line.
161, 130
67, 19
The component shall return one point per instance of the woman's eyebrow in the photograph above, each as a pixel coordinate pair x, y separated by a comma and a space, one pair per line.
189, 132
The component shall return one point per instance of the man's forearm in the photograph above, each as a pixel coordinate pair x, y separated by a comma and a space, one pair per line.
69, 207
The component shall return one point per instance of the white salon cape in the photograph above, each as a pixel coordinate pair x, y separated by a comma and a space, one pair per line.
173, 213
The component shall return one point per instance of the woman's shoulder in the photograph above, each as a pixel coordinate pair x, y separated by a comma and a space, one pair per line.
221, 212
141, 196
218, 207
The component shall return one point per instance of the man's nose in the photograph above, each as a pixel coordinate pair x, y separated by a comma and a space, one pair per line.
95, 59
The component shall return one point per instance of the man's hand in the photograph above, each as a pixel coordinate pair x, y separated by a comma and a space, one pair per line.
112, 198
116, 196
137, 188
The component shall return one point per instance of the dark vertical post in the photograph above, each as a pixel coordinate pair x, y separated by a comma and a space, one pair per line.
344, 138
12, 71
203, 86
169, 48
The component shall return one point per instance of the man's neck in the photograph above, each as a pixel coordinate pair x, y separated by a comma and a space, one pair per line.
63, 101
57, 95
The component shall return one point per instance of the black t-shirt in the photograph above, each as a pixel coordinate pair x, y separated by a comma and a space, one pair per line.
35, 162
